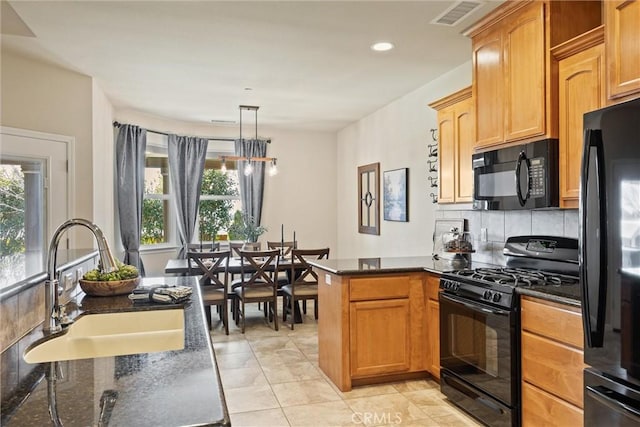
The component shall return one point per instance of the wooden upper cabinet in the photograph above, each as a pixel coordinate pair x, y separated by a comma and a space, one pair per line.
622, 33
446, 155
524, 72
581, 76
514, 79
456, 122
488, 87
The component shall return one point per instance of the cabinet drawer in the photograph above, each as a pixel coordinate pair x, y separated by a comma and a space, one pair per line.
372, 288
542, 409
554, 367
559, 322
433, 286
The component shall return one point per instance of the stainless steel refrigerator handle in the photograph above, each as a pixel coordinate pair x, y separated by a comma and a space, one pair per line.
593, 336
616, 405
522, 157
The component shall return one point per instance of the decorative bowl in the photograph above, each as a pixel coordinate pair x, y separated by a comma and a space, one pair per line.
109, 288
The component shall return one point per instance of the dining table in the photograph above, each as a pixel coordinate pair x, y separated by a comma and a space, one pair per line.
180, 267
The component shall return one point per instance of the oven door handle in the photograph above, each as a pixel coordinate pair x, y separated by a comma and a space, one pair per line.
474, 306
602, 395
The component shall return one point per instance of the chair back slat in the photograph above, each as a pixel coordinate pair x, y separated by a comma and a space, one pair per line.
209, 265
257, 267
301, 269
284, 247
236, 247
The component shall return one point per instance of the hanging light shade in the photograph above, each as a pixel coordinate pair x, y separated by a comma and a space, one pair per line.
274, 168
248, 167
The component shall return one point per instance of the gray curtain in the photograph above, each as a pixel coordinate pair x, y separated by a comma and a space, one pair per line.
252, 186
187, 155
131, 143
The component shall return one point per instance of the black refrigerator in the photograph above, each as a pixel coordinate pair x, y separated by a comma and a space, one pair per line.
610, 264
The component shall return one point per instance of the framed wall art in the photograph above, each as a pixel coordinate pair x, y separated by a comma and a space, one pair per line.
369, 199
395, 191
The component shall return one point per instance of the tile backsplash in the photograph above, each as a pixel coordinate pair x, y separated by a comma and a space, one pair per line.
503, 224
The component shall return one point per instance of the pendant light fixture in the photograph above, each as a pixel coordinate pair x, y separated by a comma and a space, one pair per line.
248, 167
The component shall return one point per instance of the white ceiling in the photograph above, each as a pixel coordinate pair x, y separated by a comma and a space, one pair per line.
308, 62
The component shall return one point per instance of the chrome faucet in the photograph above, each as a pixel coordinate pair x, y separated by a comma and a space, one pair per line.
51, 301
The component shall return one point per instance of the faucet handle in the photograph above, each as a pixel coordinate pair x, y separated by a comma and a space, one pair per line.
63, 317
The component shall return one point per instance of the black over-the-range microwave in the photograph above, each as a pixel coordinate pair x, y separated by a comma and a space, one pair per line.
519, 177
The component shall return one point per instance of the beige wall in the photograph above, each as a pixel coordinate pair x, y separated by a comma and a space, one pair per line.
396, 136
103, 163
46, 98
301, 196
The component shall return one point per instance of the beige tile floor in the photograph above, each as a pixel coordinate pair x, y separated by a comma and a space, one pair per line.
272, 378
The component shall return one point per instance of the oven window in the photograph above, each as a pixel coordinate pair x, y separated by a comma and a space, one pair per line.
474, 342
497, 184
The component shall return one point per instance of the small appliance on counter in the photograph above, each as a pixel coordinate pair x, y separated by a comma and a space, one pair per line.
459, 243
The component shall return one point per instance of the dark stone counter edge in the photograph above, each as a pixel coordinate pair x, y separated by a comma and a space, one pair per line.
36, 279
391, 270
549, 297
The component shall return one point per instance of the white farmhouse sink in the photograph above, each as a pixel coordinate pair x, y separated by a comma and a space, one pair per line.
112, 334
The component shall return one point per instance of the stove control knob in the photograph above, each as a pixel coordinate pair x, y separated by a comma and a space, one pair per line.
487, 295
456, 286
496, 297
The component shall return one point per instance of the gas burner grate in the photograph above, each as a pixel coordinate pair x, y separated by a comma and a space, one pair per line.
517, 277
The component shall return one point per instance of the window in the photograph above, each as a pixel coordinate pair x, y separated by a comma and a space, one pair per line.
34, 166
21, 219
219, 200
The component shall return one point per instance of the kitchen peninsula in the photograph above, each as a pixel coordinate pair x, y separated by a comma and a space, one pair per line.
378, 318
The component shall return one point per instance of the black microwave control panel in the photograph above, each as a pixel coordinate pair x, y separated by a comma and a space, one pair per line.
537, 177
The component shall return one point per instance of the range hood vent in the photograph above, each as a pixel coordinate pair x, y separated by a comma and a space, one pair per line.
456, 13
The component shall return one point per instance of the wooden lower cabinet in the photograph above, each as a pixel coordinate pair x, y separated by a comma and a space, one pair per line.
552, 363
379, 338
376, 328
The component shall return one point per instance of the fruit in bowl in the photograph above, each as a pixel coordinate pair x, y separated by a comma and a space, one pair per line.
119, 282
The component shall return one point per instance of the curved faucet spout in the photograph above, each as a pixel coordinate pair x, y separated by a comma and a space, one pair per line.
107, 264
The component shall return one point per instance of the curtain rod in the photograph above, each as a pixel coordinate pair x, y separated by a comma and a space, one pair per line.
213, 138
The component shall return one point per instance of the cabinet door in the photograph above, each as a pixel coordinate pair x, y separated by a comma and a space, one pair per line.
524, 73
622, 38
465, 140
433, 319
380, 337
446, 155
581, 78
488, 88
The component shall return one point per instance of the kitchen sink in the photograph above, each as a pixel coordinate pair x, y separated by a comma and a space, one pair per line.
112, 334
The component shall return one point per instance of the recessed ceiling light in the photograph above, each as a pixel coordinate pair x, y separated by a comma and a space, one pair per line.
382, 46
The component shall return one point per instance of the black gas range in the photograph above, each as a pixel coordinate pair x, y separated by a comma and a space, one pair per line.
479, 324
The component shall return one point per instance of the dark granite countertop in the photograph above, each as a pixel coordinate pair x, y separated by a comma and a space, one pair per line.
567, 294
167, 388
389, 265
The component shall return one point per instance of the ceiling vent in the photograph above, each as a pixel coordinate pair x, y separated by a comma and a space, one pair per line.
456, 13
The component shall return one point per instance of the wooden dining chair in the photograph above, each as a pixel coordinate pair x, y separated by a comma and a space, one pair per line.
203, 247
257, 284
285, 252
236, 247
213, 269
304, 281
